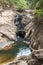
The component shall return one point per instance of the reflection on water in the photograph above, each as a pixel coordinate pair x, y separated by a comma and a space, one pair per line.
19, 49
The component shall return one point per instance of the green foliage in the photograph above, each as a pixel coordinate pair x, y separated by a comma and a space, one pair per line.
21, 5
39, 11
35, 4
24, 4
39, 4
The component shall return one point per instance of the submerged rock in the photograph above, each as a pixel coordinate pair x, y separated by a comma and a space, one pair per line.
6, 45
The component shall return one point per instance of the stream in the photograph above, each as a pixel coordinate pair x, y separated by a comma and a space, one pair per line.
18, 50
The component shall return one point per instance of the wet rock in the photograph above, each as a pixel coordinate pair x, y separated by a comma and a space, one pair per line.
21, 34
6, 45
19, 25
18, 19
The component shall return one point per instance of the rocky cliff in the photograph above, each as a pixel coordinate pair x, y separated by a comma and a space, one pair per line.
34, 34
33, 28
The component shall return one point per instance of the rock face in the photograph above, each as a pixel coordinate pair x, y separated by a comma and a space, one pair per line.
7, 26
36, 39
34, 33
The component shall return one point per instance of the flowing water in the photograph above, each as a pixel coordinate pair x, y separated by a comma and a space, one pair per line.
20, 49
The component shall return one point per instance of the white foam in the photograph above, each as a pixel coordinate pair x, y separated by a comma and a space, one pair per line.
23, 52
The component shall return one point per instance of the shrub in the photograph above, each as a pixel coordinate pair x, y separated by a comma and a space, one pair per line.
39, 11
21, 5
39, 4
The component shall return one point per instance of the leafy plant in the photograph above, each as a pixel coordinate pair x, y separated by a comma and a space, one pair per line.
21, 5
39, 11
39, 4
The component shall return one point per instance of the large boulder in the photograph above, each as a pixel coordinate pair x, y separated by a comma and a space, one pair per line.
7, 26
